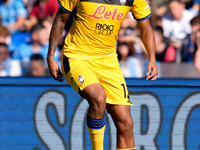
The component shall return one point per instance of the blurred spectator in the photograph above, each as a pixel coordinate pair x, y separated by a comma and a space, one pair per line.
134, 42
129, 33
192, 5
38, 45
130, 64
195, 23
41, 9
128, 23
195, 6
44, 8
8, 67
158, 21
47, 23
38, 67
4, 35
189, 47
176, 25
25, 3
153, 7
164, 52
29, 4
160, 11
13, 14
197, 52
188, 3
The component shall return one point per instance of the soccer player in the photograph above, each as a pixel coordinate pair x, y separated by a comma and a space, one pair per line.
90, 64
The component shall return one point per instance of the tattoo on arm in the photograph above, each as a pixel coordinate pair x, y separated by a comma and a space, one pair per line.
56, 31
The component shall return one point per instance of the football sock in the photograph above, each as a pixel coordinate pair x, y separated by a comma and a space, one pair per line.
127, 149
96, 128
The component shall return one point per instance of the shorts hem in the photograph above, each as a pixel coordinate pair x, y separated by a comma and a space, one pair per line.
83, 87
128, 104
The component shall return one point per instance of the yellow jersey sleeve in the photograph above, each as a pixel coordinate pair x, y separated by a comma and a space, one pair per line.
68, 5
140, 10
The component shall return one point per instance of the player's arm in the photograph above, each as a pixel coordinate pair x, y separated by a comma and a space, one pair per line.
148, 39
55, 35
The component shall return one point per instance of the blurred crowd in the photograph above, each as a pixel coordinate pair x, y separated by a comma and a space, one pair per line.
25, 28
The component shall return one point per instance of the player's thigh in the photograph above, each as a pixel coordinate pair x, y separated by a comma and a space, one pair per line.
114, 83
78, 73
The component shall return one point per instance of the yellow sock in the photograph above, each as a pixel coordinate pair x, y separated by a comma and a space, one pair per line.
96, 138
127, 149
96, 128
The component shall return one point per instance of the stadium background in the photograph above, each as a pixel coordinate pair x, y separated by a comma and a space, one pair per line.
40, 114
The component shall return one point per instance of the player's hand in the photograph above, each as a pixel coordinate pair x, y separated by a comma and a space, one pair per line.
54, 69
152, 72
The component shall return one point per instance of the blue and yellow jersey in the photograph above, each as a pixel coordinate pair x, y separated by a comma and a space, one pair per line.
96, 25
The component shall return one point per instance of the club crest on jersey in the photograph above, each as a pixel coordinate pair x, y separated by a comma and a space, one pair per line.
81, 79
122, 2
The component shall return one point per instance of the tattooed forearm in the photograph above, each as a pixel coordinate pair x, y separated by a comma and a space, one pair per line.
55, 35
56, 31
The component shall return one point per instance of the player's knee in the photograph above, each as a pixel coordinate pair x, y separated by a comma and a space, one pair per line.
126, 127
99, 103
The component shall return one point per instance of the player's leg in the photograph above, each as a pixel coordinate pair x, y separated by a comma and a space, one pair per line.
124, 125
79, 75
96, 121
96, 98
118, 102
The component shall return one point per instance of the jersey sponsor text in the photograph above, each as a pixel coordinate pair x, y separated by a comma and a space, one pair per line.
104, 29
101, 12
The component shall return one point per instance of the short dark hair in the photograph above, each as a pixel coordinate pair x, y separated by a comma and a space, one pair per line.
123, 44
37, 27
3, 45
195, 20
37, 57
158, 29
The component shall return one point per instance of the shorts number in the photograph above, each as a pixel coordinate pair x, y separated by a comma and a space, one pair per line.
124, 89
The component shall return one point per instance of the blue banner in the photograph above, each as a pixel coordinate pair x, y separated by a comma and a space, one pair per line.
42, 114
